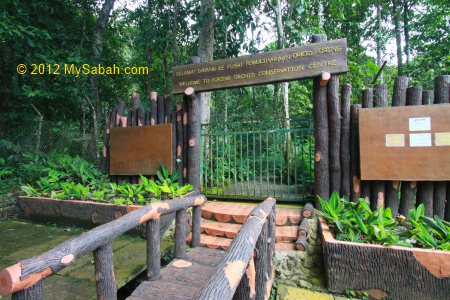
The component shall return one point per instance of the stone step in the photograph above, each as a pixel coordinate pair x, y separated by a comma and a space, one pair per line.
215, 242
229, 230
238, 213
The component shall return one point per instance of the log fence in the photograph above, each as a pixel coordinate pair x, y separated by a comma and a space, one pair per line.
24, 280
399, 196
246, 271
337, 161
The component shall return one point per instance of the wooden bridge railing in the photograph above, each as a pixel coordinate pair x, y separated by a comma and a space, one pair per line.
251, 254
25, 279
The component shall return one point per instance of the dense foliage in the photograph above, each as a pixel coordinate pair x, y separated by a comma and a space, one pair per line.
356, 222
66, 177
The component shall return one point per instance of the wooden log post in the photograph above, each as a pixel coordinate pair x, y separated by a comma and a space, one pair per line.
321, 133
104, 272
366, 102
167, 109
160, 102
29, 271
34, 292
122, 121
377, 189
196, 225
194, 139
179, 133
185, 139
261, 259
308, 210
303, 233
153, 250
135, 103
153, 108
425, 189
334, 126
355, 191
180, 234
141, 115
345, 141
271, 238
398, 99
408, 188
104, 158
441, 95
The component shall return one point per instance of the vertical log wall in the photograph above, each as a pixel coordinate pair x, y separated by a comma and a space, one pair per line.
399, 196
161, 111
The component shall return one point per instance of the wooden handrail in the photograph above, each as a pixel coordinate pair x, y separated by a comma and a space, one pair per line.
30, 272
258, 231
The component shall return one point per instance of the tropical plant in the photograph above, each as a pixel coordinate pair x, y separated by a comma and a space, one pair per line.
356, 222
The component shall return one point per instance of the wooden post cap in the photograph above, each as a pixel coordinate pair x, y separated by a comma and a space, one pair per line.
10, 279
324, 78
189, 91
153, 96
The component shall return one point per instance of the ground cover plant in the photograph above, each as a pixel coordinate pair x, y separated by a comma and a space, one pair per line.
66, 177
356, 222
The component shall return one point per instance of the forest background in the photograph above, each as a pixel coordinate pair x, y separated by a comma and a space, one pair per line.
410, 35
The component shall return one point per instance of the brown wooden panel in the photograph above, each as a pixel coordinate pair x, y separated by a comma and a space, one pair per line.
274, 66
379, 162
140, 150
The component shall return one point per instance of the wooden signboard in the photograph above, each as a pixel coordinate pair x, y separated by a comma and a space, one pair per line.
405, 143
275, 66
140, 150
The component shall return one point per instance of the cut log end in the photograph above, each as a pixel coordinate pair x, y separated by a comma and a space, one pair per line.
153, 96
189, 91
324, 79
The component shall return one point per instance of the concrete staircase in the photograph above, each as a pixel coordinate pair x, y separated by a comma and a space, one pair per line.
221, 222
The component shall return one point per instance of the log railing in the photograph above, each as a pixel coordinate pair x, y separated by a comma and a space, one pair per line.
251, 254
24, 280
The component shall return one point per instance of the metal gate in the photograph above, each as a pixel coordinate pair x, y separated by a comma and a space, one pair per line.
258, 162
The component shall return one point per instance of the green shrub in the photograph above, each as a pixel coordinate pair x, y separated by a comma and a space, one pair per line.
356, 222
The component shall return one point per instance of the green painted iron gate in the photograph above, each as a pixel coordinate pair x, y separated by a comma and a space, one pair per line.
258, 162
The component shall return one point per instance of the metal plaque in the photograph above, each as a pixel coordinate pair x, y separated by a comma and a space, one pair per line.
140, 150
275, 66
405, 143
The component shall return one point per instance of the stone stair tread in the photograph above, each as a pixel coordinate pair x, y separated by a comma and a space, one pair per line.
237, 213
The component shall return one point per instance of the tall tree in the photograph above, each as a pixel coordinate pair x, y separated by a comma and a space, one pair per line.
206, 48
97, 49
396, 14
406, 7
378, 39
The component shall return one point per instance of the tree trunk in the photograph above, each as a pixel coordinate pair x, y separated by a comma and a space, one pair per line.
97, 53
378, 40
406, 30
396, 11
206, 50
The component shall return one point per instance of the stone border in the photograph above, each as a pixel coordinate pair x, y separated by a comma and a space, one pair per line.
400, 272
